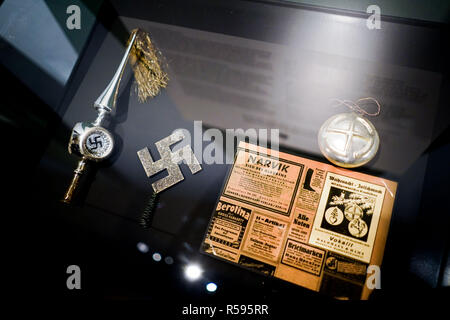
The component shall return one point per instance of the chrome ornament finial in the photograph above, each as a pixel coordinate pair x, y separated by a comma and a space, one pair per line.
106, 102
90, 140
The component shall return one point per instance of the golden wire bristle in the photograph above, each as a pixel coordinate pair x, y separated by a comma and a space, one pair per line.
146, 62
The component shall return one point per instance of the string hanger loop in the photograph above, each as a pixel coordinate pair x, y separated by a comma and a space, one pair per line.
358, 105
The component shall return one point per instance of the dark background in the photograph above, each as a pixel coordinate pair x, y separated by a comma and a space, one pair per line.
46, 236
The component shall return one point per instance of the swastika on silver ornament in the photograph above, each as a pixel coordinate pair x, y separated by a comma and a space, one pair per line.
97, 143
169, 161
348, 140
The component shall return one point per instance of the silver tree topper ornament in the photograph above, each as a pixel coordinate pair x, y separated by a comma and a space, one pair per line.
90, 140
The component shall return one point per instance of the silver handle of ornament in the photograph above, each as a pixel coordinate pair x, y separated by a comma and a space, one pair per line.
74, 184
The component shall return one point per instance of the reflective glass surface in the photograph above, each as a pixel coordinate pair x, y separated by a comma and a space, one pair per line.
239, 64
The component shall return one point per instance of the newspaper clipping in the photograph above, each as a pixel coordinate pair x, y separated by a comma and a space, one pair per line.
300, 220
347, 216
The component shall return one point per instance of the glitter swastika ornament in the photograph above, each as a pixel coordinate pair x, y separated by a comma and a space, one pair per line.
348, 139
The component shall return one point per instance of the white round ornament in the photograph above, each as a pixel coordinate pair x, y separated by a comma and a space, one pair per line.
348, 139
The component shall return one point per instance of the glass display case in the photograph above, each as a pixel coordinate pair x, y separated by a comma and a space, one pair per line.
259, 65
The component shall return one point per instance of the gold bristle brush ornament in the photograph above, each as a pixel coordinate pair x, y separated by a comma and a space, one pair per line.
147, 65
91, 141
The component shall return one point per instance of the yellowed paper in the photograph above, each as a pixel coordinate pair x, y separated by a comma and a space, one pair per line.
300, 220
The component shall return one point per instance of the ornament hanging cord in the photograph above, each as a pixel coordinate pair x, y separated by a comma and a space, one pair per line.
357, 105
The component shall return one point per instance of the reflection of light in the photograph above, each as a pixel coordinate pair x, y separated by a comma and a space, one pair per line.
142, 247
211, 287
168, 260
193, 272
49, 47
156, 256
344, 19
446, 279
